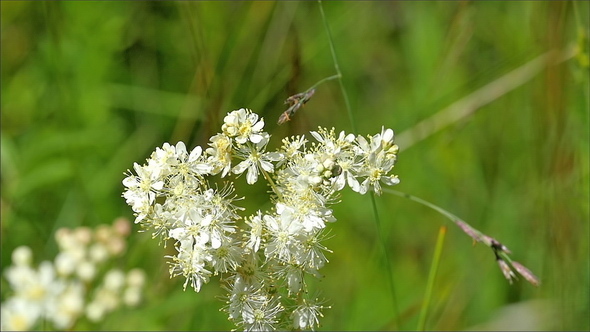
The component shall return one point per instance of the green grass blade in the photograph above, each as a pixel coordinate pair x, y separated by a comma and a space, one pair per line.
337, 67
431, 278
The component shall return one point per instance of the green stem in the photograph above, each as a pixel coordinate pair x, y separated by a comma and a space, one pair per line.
333, 77
474, 233
337, 67
387, 262
374, 204
431, 277
272, 184
423, 202
500, 251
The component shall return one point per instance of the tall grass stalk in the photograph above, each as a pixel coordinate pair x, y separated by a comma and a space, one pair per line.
431, 278
337, 67
373, 203
507, 265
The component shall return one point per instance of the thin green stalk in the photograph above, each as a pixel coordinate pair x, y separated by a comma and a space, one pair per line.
374, 204
423, 202
333, 77
431, 277
507, 265
387, 262
337, 67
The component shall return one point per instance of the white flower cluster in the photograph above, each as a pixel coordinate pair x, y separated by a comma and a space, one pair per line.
61, 292
264, 259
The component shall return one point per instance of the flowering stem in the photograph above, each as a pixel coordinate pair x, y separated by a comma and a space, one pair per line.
271, 183
431, 277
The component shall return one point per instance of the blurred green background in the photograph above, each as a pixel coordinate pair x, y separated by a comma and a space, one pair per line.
88, 88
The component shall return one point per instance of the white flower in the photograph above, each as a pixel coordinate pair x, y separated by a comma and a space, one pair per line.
306, 316
98, 253
86, 270
68, 307
315, 217
22, 255
293, 274
244, 126
291, 146
312, 250
132, 296
191, 165
256, 159
18, 314
282, 230
38, 286
347, 169
380, 155
107, 299
302, 174
114, 280
221, 154
95, 311
142, 189
190, 260
65, 263
135, 278
261, 315
241, 293
243, 298
256, 228
375, 170
226, 257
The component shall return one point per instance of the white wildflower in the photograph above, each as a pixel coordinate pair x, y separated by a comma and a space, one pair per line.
172, 194
256, 159
306, 316
244, 126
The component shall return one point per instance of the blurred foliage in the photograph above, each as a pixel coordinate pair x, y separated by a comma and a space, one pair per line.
90, 87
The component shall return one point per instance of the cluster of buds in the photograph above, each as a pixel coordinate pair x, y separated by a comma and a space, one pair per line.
264, 257
75, 284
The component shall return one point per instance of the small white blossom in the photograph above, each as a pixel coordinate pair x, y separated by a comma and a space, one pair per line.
68, 307
306, 316
18, 314
256, 228
256, 159
136, 278
379, 158
132, 296
261, 315
244, 126
114, 280
226, 257
22, 256
190, 260
221, 154
86, 270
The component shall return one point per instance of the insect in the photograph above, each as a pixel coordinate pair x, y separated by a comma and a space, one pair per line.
295, 102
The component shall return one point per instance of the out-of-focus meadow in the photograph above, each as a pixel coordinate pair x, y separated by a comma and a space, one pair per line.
88, 88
